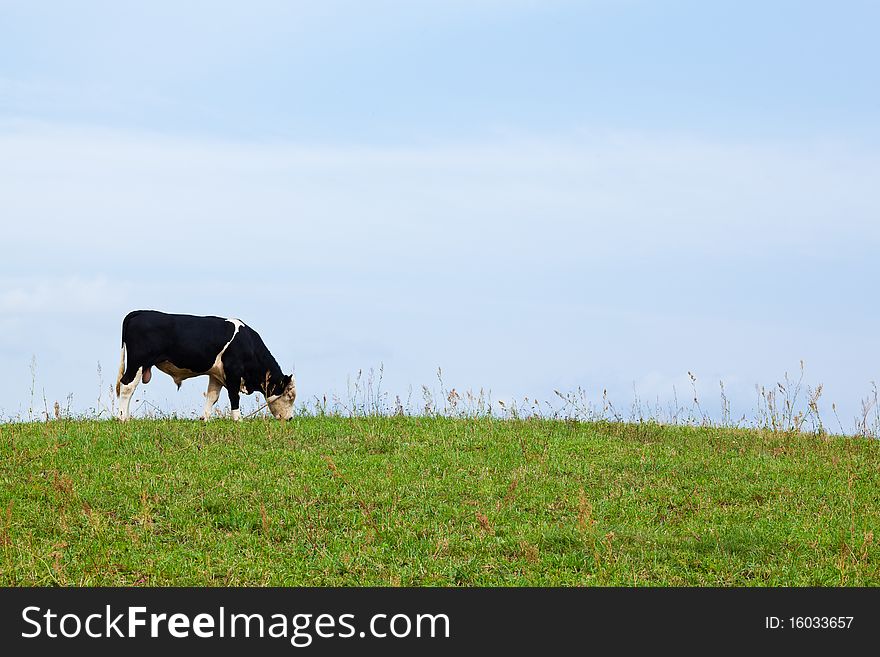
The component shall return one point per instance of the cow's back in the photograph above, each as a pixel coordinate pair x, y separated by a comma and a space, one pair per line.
188, 341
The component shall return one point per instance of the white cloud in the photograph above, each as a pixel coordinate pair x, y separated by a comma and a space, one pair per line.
68, 294
610, 196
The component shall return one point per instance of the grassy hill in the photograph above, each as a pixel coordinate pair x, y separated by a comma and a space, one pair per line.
433, 501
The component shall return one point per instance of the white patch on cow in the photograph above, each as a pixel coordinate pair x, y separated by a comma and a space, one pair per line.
216, 370
211, 397
236, 415
125, 393
180, 374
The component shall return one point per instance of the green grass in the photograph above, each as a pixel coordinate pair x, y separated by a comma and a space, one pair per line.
418, 501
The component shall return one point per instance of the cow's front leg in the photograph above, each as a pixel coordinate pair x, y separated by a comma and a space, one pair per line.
233, 387
211, 397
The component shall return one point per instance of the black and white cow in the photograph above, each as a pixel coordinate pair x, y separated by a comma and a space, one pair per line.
228, 351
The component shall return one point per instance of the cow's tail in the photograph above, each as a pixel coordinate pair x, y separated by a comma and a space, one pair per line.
122, 352
121, 369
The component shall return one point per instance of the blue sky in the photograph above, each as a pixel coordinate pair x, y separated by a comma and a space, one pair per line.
391, 72
530, 195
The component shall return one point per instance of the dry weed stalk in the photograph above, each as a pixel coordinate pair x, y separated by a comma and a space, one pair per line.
264, 517
585, 512
484, 523
5, 540
366, 509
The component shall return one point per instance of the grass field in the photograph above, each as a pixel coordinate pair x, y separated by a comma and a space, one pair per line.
416, 501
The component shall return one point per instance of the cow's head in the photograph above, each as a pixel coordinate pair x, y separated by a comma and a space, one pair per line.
280, 396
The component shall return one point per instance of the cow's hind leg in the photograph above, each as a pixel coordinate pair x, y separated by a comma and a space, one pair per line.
126, 390
211, 396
